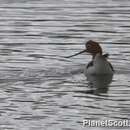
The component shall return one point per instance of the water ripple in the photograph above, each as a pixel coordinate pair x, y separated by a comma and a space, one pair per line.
39, 87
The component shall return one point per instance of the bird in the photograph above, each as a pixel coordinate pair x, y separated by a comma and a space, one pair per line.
99, 65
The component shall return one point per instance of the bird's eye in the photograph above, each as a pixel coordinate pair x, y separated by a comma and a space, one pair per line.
89, 45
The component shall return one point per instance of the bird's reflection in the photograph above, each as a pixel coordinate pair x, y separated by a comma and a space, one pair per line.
99, 83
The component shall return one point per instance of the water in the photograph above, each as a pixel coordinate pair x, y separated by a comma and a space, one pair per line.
42, 90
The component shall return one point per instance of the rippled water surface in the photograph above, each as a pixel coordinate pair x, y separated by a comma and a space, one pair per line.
42, 90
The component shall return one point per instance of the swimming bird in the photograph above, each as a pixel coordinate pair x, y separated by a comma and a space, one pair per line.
99, 63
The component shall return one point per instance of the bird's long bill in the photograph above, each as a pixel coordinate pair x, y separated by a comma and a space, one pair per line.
76, 54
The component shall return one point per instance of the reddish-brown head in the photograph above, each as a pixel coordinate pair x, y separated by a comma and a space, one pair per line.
93, 48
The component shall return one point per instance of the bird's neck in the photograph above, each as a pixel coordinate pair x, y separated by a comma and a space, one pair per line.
94, 54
